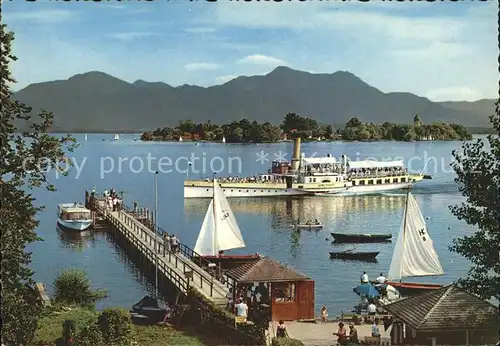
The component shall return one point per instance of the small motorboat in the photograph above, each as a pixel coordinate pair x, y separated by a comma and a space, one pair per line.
361, 238
73, 217
352, 255
148, 310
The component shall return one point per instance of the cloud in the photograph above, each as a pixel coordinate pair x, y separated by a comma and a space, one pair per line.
225, 79
201, 66
200, 30
259, 59
41, 16
453, 94
130, 36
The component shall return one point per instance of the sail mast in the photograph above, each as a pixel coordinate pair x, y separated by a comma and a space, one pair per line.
405, 218
214, 235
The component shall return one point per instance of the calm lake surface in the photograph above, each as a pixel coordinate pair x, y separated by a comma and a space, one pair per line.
265, 222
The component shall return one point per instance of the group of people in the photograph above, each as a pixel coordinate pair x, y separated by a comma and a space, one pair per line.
170, 243
379, 280
380, 172
113, 202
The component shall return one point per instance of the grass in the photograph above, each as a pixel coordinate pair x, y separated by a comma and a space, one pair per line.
50, 329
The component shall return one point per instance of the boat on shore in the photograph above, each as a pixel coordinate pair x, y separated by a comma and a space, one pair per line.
370, 256
414, 254
313, 176
361, 238
73, 217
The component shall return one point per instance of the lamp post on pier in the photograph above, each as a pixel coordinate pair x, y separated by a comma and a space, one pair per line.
156, 234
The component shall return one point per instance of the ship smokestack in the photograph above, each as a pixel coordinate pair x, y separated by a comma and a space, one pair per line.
296, 155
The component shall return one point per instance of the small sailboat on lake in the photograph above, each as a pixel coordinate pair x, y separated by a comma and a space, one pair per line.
414, 254
220, 231
117, 137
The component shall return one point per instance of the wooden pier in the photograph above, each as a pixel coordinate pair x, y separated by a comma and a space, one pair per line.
184, 269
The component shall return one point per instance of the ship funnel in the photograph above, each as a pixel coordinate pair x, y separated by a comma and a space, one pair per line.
296, 154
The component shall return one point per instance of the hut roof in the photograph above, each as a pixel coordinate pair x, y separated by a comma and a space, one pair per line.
447, 308
264, 270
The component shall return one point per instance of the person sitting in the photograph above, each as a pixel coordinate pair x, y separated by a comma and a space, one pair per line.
281, 330
381, 279
342, 335
353, 334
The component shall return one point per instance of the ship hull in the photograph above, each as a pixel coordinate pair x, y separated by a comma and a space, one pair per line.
233, 190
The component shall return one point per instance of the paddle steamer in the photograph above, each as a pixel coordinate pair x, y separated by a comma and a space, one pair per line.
313, 176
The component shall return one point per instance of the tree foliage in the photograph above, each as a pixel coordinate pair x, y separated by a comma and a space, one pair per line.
72, 287
356, 130
477, 167
24, 161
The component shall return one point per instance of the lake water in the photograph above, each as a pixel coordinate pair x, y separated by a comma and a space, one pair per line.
265, 223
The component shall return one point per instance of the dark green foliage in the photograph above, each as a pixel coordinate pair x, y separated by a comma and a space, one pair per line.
356, 130
90, 335
115, 325
477, 167
69, 330
24, 159
72, 287
286, 342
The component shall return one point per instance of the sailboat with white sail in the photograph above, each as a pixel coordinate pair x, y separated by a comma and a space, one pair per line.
220, 230
414, 254
117, 137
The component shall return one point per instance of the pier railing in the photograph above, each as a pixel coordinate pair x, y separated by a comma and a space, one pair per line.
184, 250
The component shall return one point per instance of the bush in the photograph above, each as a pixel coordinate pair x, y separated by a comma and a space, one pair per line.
72, 287
286, 342
90, 335
115, 326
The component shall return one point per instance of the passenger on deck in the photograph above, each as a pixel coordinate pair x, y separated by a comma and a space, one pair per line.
166, 243
364, 278
106, 193
317, 222
381, 279
372, 308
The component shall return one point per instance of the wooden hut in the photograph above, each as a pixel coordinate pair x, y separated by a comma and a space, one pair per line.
446, 316
287, 293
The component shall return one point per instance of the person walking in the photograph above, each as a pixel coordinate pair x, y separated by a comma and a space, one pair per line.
166, 243
174, 244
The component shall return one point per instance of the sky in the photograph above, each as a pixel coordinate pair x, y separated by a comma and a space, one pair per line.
443, 50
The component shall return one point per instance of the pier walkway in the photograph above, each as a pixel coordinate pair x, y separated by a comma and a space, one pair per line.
184, 268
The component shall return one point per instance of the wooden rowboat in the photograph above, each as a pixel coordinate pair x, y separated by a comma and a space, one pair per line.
311, 226
361, 238
351, 255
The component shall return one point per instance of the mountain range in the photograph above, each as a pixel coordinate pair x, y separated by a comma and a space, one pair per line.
98, 102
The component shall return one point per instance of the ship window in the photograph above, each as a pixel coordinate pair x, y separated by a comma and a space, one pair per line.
326, 181
261, 190
301, 186
208, 190
403, 180
370, 182
247, 190
395, 180
231, 190
379, 181
387, 181
314, 180
239, 190
354, 183
268, 190
275, 190
361, 182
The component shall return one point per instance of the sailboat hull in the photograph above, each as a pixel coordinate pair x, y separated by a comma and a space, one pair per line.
413, 288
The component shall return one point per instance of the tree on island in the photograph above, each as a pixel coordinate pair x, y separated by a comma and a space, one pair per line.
25, 160
478, 178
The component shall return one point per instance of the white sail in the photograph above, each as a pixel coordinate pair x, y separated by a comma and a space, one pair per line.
205, 244
85, 137
223, 139
219, 231
227, 229
117, 137
180, 139
414, 253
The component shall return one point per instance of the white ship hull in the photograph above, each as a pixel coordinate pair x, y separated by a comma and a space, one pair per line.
246, 191
74, 225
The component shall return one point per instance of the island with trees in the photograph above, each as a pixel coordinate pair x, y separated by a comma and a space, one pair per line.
294, 125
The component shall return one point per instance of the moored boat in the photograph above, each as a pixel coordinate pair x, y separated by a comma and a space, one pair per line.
73, 216
414, 254
354, 255
309, 226
361, 238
